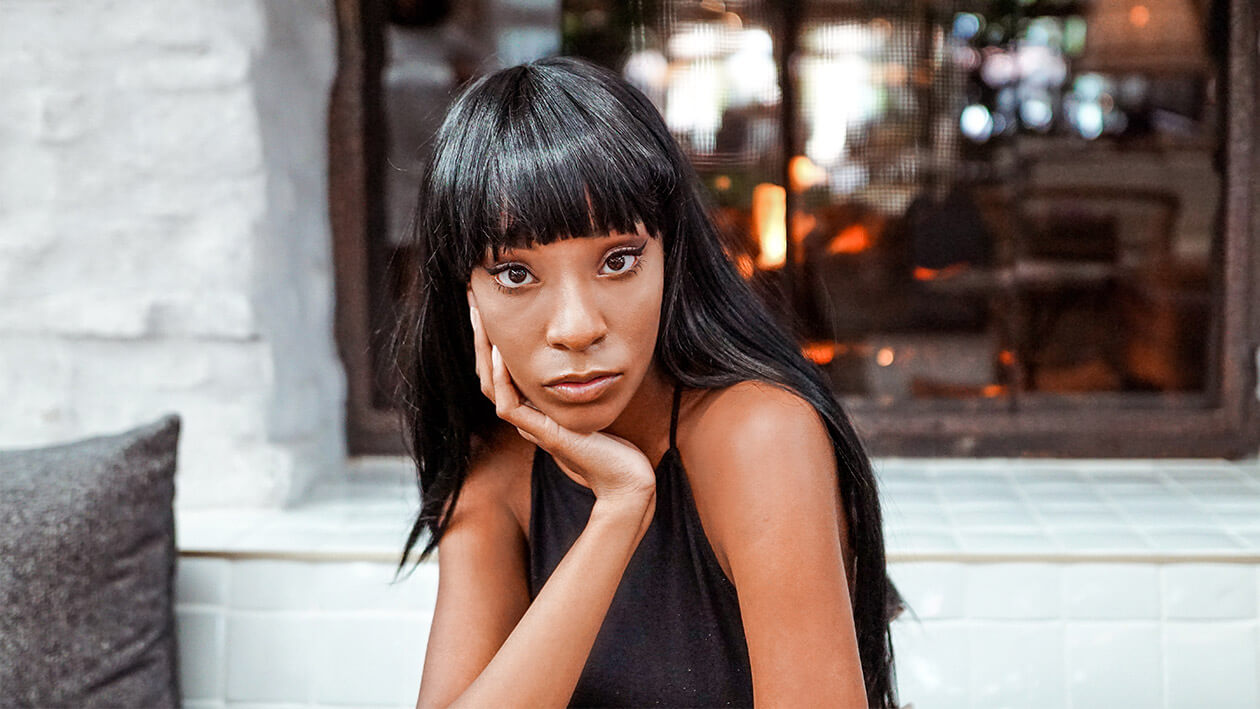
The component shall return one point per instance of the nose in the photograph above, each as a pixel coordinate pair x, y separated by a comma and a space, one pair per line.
578, 323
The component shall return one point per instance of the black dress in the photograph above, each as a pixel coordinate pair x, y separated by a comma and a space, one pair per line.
673, 635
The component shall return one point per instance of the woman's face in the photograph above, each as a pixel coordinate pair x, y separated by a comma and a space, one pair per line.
571, 310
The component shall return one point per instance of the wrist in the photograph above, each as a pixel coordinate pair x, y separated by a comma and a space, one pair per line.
631, 504
632, 510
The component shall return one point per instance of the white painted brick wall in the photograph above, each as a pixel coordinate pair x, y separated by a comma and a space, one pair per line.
164, 242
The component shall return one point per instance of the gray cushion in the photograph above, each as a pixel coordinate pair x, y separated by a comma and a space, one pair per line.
87, 568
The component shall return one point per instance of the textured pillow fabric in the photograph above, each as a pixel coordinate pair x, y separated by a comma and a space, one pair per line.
87, 569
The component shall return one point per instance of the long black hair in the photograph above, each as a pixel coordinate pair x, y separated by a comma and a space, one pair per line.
561, 148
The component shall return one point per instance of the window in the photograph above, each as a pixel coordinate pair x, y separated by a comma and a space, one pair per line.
1001, 228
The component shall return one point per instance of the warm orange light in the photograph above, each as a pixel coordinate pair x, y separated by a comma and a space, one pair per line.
884, 357
820, 352
722, 183
853, 239
991, 391
1006, 357
922, 273
769, 221
1140, 15
804, 174
803, 224
744, 264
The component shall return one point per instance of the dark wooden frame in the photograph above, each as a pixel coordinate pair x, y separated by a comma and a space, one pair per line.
353, 115
1227, 424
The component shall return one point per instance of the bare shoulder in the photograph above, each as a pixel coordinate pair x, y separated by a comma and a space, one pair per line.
753, 452
750, 408
498, 474
739, 430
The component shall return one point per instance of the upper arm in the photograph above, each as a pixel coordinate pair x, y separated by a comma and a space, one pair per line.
482, 585
764, 466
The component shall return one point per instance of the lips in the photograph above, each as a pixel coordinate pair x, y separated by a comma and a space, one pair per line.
583, 388
579, 378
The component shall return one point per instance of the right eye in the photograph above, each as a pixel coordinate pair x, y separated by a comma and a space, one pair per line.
512, 276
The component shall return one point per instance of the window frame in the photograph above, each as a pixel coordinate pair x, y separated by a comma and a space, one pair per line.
1229, 426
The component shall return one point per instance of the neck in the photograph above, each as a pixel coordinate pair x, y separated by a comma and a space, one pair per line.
645, 420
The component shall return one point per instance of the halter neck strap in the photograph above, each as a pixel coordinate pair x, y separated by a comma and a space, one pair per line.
673, 417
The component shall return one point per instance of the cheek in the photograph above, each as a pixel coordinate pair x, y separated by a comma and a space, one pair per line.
649, 320
641, 316
505, 329
515, 348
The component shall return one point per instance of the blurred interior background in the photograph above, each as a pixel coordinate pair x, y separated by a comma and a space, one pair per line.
973, 213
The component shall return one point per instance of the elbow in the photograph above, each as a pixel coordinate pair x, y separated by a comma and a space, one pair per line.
430, 702
446, 702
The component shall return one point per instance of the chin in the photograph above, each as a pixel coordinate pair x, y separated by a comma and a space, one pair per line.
584, 418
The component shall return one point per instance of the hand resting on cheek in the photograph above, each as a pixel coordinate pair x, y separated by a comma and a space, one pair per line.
612, 467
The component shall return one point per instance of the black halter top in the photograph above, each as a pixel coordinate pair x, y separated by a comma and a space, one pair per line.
673, 635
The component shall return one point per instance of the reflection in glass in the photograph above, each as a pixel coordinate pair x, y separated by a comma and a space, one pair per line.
973, 203
968, 203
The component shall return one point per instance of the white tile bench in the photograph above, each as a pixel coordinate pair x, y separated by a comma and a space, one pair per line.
1033, 584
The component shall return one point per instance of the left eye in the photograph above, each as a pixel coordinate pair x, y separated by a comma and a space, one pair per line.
513, 277
621, 263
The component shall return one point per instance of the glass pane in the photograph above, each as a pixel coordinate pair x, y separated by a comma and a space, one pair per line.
888, 235
974, 203
1012, 199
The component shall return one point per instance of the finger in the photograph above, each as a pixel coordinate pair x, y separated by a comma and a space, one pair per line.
481, 349
507, 398
478, 359
510, 407
505, 395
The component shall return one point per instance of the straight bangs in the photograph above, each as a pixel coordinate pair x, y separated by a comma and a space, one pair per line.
544, 155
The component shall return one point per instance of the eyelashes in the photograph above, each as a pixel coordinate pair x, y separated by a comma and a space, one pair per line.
508, 268
511, 269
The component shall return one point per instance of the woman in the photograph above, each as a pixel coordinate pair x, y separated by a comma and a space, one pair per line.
642, 492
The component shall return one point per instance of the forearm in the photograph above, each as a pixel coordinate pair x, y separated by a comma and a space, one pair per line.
541, 660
